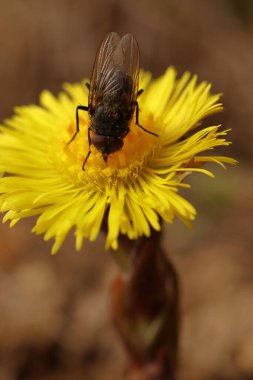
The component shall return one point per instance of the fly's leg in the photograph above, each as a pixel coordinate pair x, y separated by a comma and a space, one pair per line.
88, 155
87, 85
82, 108
139, 92
137, 118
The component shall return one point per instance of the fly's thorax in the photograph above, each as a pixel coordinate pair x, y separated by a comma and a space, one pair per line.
111, 117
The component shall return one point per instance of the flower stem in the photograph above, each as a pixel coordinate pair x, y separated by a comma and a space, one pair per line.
145, 308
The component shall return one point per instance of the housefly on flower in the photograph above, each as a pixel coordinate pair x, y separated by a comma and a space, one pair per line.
113, 93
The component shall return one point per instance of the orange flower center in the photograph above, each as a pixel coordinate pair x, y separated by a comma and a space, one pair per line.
138, 144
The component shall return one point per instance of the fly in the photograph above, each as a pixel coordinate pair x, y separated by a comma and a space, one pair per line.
113, 93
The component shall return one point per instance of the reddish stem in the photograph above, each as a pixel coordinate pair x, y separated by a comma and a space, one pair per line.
145, 311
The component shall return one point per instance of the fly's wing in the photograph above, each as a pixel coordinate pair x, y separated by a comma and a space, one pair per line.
131, 57
116, 67
103, 78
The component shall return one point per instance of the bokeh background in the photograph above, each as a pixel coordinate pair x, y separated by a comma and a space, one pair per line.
55, 310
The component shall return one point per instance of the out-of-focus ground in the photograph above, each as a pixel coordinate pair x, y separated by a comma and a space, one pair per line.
55, 311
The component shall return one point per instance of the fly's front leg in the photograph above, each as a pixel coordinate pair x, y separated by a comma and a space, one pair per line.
82, 108
139, 92
137, 118
89, 152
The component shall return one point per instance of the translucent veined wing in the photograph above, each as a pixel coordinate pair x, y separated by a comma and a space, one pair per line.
131, 59
115, 55
102, 68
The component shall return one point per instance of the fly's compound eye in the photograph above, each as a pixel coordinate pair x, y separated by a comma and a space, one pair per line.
98, 141
107, 144
114, 144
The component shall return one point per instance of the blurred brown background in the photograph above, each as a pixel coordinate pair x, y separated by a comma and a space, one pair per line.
55, 311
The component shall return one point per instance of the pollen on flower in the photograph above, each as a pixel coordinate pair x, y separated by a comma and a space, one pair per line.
135, 189
138, 146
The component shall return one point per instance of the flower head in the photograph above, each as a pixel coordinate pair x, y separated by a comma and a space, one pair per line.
135, 189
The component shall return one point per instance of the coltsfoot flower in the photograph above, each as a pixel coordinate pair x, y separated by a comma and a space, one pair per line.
135, 189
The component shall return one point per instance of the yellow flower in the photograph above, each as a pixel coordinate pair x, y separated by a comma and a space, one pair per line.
135, 189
